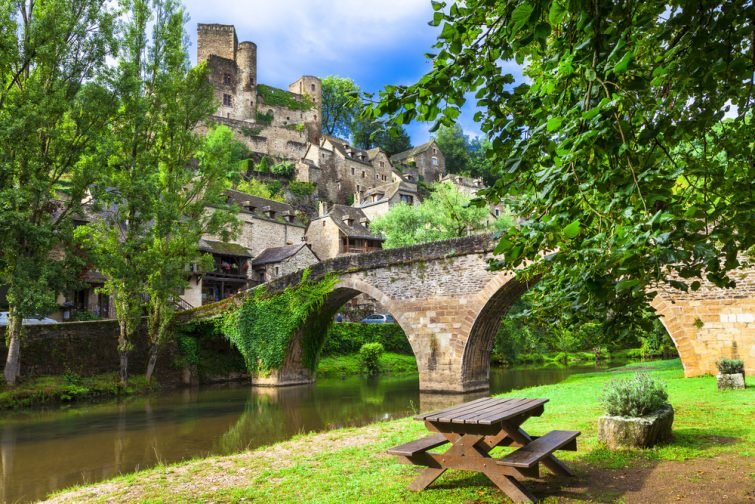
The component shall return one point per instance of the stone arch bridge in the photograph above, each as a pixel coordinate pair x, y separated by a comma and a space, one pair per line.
450, 307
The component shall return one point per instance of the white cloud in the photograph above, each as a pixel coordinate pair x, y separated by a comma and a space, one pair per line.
296, 37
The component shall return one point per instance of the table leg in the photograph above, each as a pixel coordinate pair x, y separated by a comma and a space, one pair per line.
425, 479
427, 476
510, 486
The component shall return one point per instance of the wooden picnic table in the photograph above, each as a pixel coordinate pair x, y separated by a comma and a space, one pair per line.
473, 429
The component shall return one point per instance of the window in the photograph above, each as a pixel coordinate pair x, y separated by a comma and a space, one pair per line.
497, 212
251, 81
435, 151
227, 79
382, 164
277, 271
227, 100
364, 174
353, 171
435, 161
406, 198
359, 188
313, 87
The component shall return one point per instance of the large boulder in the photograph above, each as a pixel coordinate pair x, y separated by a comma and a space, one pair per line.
730, 381
636, 432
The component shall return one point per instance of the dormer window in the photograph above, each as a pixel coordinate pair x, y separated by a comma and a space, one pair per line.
289, 216
248, 205
364, 221
269, 212
348, 220
435, 161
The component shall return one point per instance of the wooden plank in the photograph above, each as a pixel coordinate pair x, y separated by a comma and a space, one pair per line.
458, 407
516, 411
419, 445
423, 416
462, 409
503, 412
534, 452
510, 486
468, 463
497, 407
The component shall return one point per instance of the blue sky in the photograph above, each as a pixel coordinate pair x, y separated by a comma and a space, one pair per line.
374, 42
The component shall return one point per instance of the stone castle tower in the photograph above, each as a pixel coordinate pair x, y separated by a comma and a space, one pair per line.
233, 74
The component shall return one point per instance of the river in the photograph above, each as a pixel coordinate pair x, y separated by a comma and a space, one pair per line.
45, 450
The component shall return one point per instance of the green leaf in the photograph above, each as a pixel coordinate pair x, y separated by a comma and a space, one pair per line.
572, 230
590, 74
554, 123
520, 16
627, 284
623, 63
556, 13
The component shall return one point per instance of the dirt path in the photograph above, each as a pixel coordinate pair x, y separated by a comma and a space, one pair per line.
722, 479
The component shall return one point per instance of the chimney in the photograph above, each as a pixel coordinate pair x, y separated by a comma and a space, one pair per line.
357, 199
322, 209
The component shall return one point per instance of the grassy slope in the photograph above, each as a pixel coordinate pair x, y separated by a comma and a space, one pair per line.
348, 365
350, 465
61, 389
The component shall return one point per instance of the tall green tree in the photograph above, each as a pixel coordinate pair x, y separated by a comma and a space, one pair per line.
368, 134
454, 144
340, 105
628, 141
446, 213
161, 176
52, 113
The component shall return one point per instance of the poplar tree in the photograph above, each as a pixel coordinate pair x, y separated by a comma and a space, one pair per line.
161, 175
53, 111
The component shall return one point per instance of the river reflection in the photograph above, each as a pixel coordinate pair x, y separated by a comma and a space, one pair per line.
43, 451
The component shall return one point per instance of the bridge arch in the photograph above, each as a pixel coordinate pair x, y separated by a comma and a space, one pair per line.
450, 308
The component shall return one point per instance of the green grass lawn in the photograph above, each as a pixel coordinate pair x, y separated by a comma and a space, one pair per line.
338, 366
350, 465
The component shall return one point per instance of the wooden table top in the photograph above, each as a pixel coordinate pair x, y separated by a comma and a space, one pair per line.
485, 411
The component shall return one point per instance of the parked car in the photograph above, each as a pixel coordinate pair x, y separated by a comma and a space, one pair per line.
27, 321
379, 318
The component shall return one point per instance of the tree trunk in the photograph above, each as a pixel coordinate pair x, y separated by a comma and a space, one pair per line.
123, 352
152, 361
13, 361
597, 356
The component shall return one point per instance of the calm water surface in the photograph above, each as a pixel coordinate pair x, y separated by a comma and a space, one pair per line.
43, 451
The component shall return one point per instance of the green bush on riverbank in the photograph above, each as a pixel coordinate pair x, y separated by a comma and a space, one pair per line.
348, 337
50, 390
340, 366
351, 464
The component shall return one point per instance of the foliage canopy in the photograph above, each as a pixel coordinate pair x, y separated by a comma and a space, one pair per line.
628, 143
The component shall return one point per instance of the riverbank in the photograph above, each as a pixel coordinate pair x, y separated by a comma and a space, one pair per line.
710, 457
342, 366
69, 388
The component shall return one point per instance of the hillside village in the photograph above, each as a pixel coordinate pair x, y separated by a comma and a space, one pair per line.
353, 186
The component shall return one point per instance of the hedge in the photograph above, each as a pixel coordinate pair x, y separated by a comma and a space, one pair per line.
347, 338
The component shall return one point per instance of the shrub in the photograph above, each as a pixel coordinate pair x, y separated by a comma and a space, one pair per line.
369, 357
283, 169
301, 189
634, 397
347, 338
730, 366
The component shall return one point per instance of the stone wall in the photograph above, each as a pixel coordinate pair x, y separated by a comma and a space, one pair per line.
711, 323
86, 348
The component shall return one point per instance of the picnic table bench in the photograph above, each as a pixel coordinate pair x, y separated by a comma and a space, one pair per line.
473, 429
